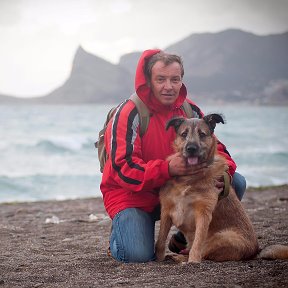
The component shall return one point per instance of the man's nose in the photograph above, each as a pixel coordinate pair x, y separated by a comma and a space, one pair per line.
168, 84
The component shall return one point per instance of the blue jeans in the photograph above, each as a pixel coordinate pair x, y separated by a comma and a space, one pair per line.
132, 236
239, 184
133, 230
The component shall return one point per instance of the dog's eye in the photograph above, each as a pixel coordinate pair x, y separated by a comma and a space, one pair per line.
184, 134
202, 134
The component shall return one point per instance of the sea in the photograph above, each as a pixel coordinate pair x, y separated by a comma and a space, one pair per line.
47, 152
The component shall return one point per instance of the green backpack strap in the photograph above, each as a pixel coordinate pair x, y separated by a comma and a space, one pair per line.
186, 107
144, 114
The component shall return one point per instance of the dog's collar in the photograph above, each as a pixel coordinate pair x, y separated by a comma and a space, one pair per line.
226, 189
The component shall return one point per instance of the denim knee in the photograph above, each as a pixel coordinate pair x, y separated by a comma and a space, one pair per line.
132, 236
239, 184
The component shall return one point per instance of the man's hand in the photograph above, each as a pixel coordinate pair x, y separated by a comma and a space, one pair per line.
179, 167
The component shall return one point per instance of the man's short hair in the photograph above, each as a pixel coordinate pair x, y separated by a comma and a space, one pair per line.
164, 57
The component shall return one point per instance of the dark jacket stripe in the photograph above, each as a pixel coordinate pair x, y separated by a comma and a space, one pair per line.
129, 137
114, 149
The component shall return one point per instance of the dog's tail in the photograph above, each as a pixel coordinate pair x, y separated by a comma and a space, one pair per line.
274, 252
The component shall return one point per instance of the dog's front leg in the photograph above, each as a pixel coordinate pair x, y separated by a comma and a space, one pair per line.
165, 226
203, 218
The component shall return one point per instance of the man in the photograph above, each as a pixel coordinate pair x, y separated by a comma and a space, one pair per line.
137, 167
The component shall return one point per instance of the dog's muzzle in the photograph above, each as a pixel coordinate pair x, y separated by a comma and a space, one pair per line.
192, 153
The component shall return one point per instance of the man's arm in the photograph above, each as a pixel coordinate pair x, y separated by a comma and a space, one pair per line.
124, 146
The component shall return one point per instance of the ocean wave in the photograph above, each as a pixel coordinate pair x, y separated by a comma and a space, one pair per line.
58, 165
68, 143
56, 145
261, 158
65, 145
48, 187
51, 147
8, 185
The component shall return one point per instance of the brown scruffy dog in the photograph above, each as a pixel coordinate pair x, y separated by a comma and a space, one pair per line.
215, 229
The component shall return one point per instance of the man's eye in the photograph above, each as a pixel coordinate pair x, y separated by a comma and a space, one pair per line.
176, 80
160, 80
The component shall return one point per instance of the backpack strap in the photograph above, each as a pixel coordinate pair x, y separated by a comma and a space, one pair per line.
186, 107
144, 113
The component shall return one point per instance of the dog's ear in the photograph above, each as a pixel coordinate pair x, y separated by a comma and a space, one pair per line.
175, 122
213, 119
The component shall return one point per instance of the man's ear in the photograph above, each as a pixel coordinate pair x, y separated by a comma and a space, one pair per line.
213, 119
175, 122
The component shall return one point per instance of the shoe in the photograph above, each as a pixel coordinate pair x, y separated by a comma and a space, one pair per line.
177, 243
109, 252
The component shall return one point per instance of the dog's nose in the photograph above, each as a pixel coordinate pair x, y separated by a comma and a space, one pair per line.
192, 148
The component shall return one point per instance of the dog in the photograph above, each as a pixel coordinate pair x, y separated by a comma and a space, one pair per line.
216, 229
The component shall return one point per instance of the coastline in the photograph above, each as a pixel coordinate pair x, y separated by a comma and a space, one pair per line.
249, 189
64, 244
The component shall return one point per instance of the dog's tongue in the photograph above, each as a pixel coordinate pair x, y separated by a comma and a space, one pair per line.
192, 160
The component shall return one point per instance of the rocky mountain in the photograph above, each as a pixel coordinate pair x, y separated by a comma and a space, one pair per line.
235, 66
229, 66
92, 79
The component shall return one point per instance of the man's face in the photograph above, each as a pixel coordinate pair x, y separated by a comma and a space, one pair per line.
166, 82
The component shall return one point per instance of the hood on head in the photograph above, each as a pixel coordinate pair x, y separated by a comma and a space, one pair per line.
144, 91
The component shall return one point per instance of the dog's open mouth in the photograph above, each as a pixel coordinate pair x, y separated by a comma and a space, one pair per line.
192, 160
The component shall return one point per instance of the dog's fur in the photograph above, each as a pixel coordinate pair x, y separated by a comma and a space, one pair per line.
218, 230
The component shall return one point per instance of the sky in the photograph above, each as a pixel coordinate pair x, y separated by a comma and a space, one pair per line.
39, 38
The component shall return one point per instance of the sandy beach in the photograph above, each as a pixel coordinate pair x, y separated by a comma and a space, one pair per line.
64, 243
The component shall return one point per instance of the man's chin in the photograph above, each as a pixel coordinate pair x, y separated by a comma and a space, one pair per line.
168, 100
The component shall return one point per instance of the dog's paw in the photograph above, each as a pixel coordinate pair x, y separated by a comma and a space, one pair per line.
160, 257
194, 259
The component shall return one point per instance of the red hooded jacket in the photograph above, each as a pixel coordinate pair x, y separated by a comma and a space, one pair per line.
136, 167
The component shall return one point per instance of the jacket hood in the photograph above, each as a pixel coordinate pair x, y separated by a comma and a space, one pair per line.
144, 91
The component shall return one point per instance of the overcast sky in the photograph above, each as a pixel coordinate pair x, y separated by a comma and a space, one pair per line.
39, 38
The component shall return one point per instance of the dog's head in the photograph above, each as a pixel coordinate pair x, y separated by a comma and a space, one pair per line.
195, 139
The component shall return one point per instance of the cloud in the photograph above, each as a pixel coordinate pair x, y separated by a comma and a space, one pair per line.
120, 6
10, 12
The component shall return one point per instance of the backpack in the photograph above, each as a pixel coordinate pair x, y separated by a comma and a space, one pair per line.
144, 117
